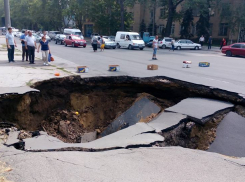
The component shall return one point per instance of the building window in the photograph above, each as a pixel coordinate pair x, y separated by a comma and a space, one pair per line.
172, 29
161, 27
223, 29
151, 15
210, 29
162, 13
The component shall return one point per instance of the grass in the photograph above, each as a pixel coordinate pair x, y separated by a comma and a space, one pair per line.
29, 83
29, 67
62, 69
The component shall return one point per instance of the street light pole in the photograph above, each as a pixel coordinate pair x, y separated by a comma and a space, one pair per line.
7, 13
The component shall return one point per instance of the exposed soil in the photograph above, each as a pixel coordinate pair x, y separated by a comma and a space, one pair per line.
68, 107
192, 135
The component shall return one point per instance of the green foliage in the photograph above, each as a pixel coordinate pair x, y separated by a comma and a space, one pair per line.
233, 15
51, 14
142, 26
150, 27
202, 26
187, 24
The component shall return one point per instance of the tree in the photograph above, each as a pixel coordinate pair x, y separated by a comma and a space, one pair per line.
187, 24
142, 26
150, 29
172, 5
203, 25
233, 15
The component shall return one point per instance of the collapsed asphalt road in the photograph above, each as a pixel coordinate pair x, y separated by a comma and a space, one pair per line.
133, 112
109, 110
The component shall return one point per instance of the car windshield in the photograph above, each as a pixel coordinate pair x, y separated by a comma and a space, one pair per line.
135, 37
168, 40
107, 40
78, 33
75, 38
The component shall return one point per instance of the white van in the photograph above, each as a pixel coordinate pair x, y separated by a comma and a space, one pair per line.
129, 40
68, 31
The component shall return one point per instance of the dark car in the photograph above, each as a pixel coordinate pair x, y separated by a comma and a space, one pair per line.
237, 49
149, 44
60, 39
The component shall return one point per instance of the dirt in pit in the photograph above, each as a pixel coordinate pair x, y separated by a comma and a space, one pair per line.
64, 125
192, 135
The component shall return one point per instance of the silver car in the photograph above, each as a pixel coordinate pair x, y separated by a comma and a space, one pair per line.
109, 44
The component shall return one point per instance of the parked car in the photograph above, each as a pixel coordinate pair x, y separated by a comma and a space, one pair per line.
59, 39
129, 40
95, 34
149, 44
18, 34
74, 41
69, 31
52, 34
165, 42
112, 38
237, 49
186, 44
38, 37
109, 44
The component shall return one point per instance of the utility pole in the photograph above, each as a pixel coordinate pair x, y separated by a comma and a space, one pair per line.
7, 14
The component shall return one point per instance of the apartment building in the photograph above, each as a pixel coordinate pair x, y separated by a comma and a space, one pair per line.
218, 27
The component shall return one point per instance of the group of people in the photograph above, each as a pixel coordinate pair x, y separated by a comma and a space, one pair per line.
29, 45
210, 42
96, 41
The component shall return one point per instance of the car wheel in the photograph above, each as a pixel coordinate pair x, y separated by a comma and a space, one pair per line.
118, 46
84, 46
73, 45
196, 48
55, 42
164, 46
114, 48
65, 44
141, 48
178, 48
228, 53
130, 47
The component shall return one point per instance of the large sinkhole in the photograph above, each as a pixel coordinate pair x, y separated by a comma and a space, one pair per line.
72, 107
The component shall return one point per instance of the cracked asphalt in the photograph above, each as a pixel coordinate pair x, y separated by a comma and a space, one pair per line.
143, 164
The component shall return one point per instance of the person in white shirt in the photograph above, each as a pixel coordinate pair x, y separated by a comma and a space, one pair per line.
30, 44
155, 47
10, 44
201, 40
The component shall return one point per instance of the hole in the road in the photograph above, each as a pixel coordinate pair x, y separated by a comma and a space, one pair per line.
70, 108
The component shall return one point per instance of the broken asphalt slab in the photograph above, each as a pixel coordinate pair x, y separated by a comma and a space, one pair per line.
230, 136
139, 111
200, 110
12, 138
173, 164
166, 121
139, 134
17, 90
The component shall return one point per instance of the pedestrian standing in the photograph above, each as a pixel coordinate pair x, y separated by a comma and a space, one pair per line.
102, 44
172, 45
155, 47
45, 50
24, 50
210, 41
201, 40
10, 42
223, 43
94, 43
30, 43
